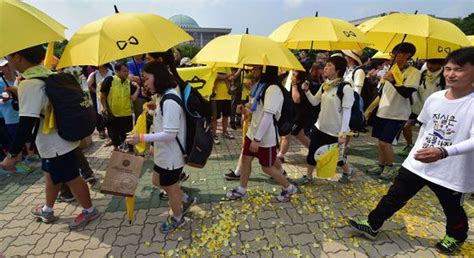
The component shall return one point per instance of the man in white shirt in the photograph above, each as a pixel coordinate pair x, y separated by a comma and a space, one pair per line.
442, 158
394, 109
59, 161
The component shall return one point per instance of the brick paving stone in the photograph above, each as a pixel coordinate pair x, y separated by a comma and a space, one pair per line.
100, 252
5, 242
21, 250
333, 247
77, 245
303, 238
6, 232
42, 244
55, 243
297, 229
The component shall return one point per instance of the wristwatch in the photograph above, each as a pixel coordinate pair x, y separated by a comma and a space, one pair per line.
11, 156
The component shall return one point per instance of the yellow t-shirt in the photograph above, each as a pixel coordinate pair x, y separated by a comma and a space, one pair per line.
222, 91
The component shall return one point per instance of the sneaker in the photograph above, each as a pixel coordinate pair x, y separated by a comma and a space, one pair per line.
234, 194
231, 175
83, 218
228, 135
66, 197
285, 196
375, 171
102, 135
233, 125
188, 203
216, 140
448, 245
23, 167
363, 226
346, 178
405, 151
282, 159
388, 173
183, 177
163, 196
108, 143
40, 215
171, 225
304, 180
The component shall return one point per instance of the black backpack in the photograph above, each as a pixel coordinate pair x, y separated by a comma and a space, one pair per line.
441, 84
73, 109
288, 113
357, 121
199, 141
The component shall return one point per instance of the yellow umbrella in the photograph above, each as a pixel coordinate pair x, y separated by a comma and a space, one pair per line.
320, 33
381, 55
471, 39
23, 26
241, 50
119, 36
433, 38
130, 204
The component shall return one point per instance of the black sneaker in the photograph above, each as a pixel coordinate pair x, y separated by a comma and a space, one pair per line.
363, 227
231, 175
448, 245
188, 203
66, 197
183, 177
163, 196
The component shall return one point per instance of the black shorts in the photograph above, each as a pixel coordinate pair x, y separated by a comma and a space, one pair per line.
387, 130
168, 177
63, 168
413, 120
318, 139
222, 108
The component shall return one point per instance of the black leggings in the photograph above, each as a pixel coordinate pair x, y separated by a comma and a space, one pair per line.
118, 129
405, 186
318, 139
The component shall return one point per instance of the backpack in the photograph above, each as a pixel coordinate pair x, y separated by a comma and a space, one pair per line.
287, 115
73, 109
441, 84
369, 90
199, 141
357, 121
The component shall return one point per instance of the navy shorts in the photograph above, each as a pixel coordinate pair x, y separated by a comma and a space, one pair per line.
387, 130
168, 177
63, 168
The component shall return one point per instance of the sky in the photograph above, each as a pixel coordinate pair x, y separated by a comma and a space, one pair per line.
260, 16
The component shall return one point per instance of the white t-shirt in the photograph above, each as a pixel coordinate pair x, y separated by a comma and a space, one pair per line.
98, 80
168, 155
446, 122
330, 116
430, 85
393, 105
359, 76
272, 104
33, 101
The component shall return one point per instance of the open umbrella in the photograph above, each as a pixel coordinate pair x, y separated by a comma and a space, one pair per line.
432, 37
119, 36
245, 49
320, 33
23, 26
471, 39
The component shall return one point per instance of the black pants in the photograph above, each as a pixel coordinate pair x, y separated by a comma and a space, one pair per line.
405, 186
118, 129
236, 100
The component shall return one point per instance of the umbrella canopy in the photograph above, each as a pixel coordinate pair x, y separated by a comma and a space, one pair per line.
23, 26
432, 37
241, 50
471, 39
320, 33
381, 55
119, 36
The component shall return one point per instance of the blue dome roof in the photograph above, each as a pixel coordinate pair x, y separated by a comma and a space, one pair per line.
184, 21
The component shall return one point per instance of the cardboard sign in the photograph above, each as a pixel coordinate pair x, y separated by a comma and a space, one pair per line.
122, 174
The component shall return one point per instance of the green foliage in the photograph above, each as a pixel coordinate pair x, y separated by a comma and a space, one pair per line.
466, 24
59, 47
189, 50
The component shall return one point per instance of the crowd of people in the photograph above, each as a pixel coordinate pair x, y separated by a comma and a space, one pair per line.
439, 96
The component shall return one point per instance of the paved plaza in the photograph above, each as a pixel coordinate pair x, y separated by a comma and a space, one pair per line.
313, 224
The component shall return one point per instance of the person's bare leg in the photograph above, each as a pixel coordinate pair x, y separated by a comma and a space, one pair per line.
51, 191
225, 123
214, 126
309, 171
388, 155
408, 134
303, 138
155, 180
245, 170
80, 190
175, 196
380, 154
284, 145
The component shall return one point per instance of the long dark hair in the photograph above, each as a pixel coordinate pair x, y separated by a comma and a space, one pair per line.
270, 76
168, 59
163, 79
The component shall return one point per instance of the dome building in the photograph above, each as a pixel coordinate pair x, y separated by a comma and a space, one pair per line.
201, 35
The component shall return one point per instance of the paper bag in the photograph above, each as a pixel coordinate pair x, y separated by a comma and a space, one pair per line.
122, 174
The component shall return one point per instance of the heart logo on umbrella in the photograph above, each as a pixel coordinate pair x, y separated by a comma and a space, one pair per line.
445, 49
122, 44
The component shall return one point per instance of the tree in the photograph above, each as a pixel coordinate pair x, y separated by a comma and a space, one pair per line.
189, 50
59, 47
466, 24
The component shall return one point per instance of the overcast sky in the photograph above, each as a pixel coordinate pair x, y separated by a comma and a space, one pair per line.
260, 16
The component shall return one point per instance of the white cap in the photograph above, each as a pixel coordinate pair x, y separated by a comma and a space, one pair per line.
3, 61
